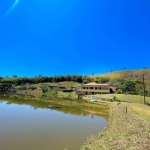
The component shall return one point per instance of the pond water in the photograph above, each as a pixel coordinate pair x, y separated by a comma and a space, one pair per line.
30, 125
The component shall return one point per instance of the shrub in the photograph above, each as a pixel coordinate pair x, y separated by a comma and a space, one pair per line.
44, 89
101, 79
32, 87
119, 91
115, 99
24, 88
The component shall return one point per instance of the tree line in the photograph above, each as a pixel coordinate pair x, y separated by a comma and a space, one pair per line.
43, 79
122, 85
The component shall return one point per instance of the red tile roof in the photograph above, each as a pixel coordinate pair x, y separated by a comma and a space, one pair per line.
93, 83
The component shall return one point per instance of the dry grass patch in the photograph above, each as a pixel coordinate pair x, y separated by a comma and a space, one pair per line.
35, 93
124, 131
129, 74
141, 110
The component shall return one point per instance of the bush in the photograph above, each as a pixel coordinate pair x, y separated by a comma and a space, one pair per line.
32, 87
148, 94
115, 99
24, 88
119, 91
101, 79
44, 89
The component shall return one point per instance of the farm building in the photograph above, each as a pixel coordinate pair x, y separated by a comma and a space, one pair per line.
94, 88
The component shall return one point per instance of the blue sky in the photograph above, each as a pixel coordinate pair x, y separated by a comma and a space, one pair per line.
59, 37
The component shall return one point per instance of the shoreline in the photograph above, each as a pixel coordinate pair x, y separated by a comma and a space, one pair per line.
128, 131
94, 112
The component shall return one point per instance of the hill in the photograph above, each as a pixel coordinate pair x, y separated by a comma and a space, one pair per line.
129, 74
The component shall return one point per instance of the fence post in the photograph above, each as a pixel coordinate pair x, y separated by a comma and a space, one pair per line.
126, 110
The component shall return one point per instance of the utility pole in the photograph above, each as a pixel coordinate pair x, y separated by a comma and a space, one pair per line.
144, 89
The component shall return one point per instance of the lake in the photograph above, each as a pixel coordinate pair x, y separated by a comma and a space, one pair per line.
30, 125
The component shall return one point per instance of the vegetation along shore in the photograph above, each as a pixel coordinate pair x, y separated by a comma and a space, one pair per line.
128, 128
128, 107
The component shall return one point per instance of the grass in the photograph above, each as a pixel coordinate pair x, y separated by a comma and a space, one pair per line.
38, 85
125, 131
66, 84
69, 84
66, 95
129, 131
45, 84
124, 97
49, 95
129, 74
61, 94
33, 93
141, 110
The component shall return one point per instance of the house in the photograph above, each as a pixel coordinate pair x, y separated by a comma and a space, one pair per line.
94, 88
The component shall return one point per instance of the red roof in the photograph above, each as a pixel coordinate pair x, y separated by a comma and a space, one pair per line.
93, 83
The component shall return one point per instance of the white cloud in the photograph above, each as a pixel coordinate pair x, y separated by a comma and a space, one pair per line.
11, 8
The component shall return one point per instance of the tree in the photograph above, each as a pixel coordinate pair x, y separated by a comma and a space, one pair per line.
5, 86
55, 93
1, 78
101, 79
44, 89
14, 76
126, 86
40, 75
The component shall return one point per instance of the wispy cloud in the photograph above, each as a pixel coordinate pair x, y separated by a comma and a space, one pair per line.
11, 8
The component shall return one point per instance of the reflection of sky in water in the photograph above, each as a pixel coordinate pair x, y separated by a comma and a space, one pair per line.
36, 129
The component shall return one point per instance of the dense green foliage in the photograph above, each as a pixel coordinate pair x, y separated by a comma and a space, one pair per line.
126, 86
43, 79
5, 86
101, 79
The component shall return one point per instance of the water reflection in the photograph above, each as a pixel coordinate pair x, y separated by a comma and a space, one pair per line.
77, 107
32, 125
